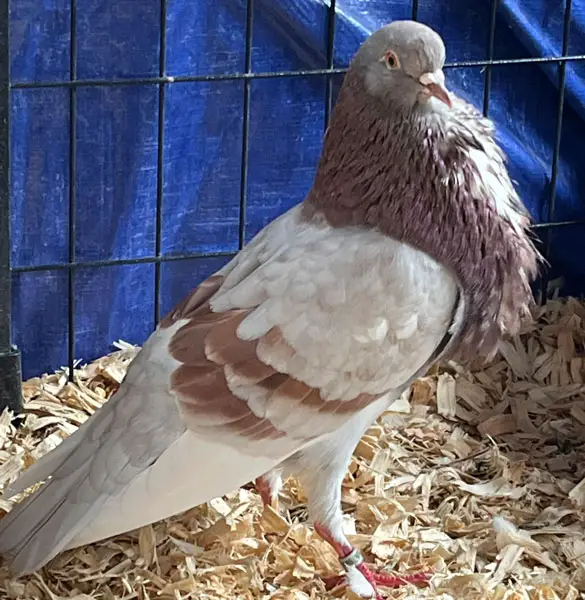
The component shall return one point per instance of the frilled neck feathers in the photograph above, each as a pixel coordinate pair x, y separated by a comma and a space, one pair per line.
440, 186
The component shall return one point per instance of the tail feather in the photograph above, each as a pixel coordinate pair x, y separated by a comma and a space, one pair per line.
96, 464
79, 475
51, 463
41, 526
40, 470
80, 507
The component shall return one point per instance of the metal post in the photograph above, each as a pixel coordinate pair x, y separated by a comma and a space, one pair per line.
10, 377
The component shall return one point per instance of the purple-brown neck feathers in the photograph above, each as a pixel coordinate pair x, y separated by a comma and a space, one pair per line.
417, 178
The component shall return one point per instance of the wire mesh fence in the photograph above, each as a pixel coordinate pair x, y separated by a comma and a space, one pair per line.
9, 372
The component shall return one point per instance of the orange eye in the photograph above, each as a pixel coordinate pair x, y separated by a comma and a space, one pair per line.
391, 60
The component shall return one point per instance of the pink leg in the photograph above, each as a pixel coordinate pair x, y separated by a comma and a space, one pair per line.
351, 557
321, 468
268, 486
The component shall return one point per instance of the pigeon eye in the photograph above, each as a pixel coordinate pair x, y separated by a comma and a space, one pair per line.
391, 60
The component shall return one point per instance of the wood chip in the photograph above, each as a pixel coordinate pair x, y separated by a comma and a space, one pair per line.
476, 475
446, 397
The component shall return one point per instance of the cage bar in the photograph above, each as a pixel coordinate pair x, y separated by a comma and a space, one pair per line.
72, 190
331, 17
5, 329
279, 74
10, 378
562, 73
116, 262
487, 85
246, 123
162, 69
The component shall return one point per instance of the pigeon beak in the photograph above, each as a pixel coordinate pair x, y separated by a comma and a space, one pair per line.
435, 86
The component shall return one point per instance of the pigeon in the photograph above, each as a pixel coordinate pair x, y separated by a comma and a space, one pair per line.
411, 248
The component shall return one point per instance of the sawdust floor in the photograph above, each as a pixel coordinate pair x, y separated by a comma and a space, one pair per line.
478, 476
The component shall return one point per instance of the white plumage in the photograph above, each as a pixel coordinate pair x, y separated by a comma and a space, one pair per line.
129, 465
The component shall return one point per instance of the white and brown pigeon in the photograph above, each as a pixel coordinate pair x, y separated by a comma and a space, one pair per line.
412, 246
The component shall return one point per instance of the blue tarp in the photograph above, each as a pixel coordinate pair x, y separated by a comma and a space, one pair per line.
117, 131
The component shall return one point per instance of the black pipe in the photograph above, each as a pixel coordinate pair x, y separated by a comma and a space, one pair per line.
10, 373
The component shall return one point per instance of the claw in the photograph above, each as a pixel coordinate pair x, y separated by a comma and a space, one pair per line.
395, 581
379, 579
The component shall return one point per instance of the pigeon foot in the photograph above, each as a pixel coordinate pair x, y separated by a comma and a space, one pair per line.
375, 579
361, 579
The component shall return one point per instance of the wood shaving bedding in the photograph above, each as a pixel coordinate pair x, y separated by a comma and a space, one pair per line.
477, 475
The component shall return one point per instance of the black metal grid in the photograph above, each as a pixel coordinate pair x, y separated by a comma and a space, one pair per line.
162, 80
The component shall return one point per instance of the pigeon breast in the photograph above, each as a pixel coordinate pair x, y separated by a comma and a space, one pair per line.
437, 182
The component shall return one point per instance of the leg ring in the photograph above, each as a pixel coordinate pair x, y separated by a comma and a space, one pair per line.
354, 559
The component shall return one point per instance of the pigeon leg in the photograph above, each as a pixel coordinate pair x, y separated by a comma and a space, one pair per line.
328, 520
321, 469
268, 486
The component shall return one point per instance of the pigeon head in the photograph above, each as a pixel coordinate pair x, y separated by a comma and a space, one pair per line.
401, 65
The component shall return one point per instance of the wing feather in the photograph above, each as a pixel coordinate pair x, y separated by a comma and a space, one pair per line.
305, 328
297, 361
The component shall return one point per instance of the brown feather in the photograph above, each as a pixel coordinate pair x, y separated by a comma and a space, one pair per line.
247, 372
189, 306
213, 358
222, 344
